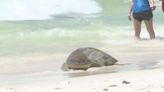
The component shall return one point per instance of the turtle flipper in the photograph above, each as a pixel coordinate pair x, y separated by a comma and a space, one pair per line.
65, 67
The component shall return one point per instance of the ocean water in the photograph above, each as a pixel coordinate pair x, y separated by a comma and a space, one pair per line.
36, 28
32, 27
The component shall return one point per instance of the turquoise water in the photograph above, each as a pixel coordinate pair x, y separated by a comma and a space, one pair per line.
56, 25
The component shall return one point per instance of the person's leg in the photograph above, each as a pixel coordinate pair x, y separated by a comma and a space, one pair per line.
150, 29
137, 28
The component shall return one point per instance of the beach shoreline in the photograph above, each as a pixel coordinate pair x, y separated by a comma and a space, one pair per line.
37, 37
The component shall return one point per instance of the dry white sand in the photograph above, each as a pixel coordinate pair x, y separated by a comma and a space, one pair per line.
136, 81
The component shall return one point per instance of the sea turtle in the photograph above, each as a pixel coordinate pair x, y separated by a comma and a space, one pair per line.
84, 58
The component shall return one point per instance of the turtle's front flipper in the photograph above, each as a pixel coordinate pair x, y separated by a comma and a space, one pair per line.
65, 67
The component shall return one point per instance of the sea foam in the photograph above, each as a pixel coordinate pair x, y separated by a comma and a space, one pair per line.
43, 9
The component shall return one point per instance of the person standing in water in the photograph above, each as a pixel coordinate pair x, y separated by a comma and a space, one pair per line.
142, 11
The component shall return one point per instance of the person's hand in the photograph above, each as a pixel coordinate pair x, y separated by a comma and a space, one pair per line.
153, 7
129, 17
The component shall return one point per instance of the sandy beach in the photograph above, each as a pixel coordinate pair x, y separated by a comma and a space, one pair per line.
140, 69
136, 81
